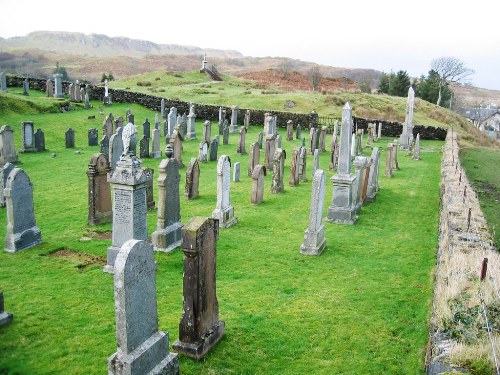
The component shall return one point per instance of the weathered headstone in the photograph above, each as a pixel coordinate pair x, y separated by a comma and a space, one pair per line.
334, 151
22, 232
258, 184
107, 126
87, 101
416, 149
373, 186
156, 152
93, 137
342, 210
70, 138
203, 152
253, 158
192, 179
142, 348
353, 146
278, 141
176, 142
28, 135
207, 130
315, 161
191, 123
236, 171
3, 82
171, 121
233, 128
168, 227
150, 200
314, 235
224, 211
298, 132
294, 168
162, 109
200, 328
394, 155
269, 154
214, 148
5, 317
7, 146
115, 150
49, 89
408, 124
268, 124
4, 173
277, 185
379, 135
369, 141
289, 130
260, 140
130, 118
128, 182
58, 91
302, 164
359, 142
26, 87
221, 127
241, 142
146, 127
225, 135
361, 165
322, 139
144, 147
118, 122
246, 120
99, 192
157, 121
388, 160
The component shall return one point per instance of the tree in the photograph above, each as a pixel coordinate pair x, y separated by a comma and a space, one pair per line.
449, 69
428, 88
286, 68
401, 84
315, 76
384, 83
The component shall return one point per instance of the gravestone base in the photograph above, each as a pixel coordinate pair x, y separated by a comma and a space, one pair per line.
200, 348
341, 215
226, 217
167, 239
148, 358
110, 259
342, 209
155, 154
190, 136
233, 129
5, 318
370, 198
19, 241
314, 242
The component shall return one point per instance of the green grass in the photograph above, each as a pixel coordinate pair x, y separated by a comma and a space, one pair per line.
362, 307
481, 165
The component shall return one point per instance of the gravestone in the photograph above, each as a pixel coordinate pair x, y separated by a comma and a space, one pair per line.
146, 127
225, 135
416, 149
142, 348
3, 82
70, 138
150, 200
214, 148
379, 135
302, 164
246, 120
294, 168
78, 96
104, 146
373, 186
28, 136
115, 150
164, 130
236, 171
176, 142
359, 142
253, 158
353, 146
171, 121
107, 126
5, 317
157, 121
93, 137
58, 91
394, 155
289, 130
203, 152
322, 139
408, 124
221, 127
162, 109
99, 192
315, 161
192, 179
361, 164
49, 89
241, 142
222, 115
410, 144
224, 211
260, 140
118, 122
22, 232
314, 235
191, 124
369, 141
388, 160
233, 128
269, 154
87, 101
178, 123
200, 328
155, 152
144, 147
342, 210
130, 118
183, 125
7, 146
26, 87
334, 150
128, 183
298, 132
168, 227
277, 185
4, 173
259, 172
278, 141
207, 129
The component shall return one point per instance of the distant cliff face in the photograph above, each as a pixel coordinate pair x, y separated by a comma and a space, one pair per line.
100, 45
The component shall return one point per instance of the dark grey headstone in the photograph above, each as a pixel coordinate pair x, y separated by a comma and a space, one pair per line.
192, 179
70, 138
93, 137
146, 126
39, 140
225, 136
144, 147
214, 145
104, 145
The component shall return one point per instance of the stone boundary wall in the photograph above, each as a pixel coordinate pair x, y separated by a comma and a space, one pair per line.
461, 250
211, 112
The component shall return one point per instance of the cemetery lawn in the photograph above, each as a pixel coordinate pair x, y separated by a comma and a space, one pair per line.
362, 307
481, 165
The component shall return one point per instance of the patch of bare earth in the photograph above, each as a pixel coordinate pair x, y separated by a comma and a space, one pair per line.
83, 259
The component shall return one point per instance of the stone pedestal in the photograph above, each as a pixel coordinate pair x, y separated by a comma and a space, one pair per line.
342, 210
128, 182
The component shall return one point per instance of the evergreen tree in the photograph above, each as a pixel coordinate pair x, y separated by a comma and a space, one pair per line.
428, 89
383, 85
401, 84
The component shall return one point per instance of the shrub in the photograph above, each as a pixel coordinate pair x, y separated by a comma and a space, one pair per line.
143, 83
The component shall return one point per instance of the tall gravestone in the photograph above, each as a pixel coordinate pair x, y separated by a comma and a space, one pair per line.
322, 139
104, 146
388, 160
294, 168
191, 124
289, 130
22, 232
200, 328
150, 200
192, 179
298, 132
93, 137
408, 124
379, 134
146, 128
259, 172
70, 138
214, 149
361, 165
128, 183
233, 128
203, 152
224, 211
49, 89
176, 142
334, 151
314, 236
3, 82
7, 146
241, 142
270, 149
156, 152
99, 192
171, 121
115, 150
142, 348
253, 158
162, 109
26, 87
373, 186
225, 135
107, 126
416, 149
28, 136
87, 101
236, 172
342, 210
144, 147
58, 90
168, 227
246, 120
4, 173
302, 164
207, 130
277, 185
315, 161
260, 139
5, 317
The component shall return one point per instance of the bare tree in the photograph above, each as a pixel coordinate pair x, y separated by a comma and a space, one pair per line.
315, 76
450, 69
286, 68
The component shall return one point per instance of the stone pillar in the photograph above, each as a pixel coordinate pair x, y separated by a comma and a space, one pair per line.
99, 192
3, 82
224, 211
5, 317
408, 124
171, 121
314, 235
200, 328
246, 120
342, 210
58, 91
168, 228
142, 348
7, 146
388, 160
233, 128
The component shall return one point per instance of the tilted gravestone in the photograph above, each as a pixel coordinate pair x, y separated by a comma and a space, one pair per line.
314, 236
373, 186
93, 137
69, 138
203, 152
192, 179
224, 211
7, 146
168, 227
258, 184
22, 232
302, 164
142, 348
289, 130
99, 191
200, 328
5, 317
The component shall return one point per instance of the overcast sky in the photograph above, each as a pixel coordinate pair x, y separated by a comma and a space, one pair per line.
384, 35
